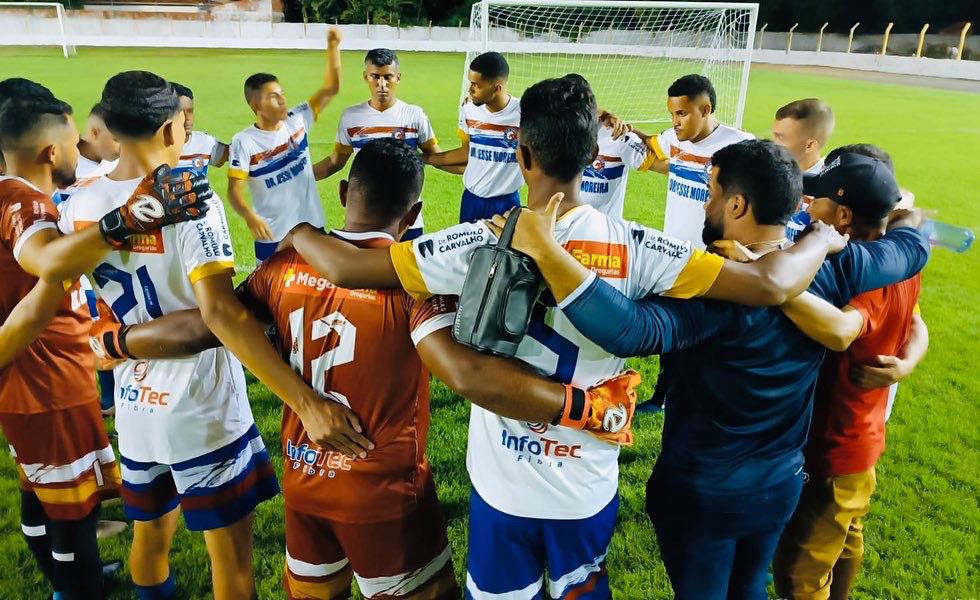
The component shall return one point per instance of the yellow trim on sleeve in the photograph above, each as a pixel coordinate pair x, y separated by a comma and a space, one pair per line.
313, 107
654, 145
237, 174
648, 161
697, 276
462, 135
916, 310
429, 145
407, 267
209, 269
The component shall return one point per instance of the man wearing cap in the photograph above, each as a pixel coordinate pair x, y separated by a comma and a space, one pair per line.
820, 552
741, 382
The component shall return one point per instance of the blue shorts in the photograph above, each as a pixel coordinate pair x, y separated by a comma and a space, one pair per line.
213, 490
473, 207
528, 558
264, 250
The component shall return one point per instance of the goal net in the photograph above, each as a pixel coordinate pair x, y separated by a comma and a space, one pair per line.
630, 52
35, 24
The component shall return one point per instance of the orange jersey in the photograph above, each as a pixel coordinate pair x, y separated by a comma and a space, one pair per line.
56, 370
358, 347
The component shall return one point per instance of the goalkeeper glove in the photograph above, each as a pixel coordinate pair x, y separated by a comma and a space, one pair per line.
107, 337
161, 198
605, 409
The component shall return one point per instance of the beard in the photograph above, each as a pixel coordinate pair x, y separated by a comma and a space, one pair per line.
63, 177
711, 233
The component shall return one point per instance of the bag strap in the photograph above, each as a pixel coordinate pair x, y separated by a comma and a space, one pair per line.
508, 233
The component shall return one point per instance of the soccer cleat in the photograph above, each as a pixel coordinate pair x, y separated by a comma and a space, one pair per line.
605, 409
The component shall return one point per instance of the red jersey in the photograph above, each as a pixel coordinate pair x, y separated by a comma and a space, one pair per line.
848, 431
56, 370
358, 347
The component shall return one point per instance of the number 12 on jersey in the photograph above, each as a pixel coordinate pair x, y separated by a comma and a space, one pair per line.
340, 354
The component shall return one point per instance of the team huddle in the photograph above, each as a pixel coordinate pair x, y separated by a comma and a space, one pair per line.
117, 255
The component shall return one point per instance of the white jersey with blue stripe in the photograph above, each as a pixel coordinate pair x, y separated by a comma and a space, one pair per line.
687, 179
538, 470
491, 169
169, 410
199, 150
279, 170
405, 122
604, 181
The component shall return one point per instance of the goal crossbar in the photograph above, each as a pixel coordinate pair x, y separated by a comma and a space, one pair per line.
610, 39
59, 12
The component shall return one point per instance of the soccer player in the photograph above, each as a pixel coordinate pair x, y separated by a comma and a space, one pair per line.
375, 517
534, 508
685, 150
187, 439
15, 86
382, 116
820, 552
273, 155
49, 408
98, 150
201, 149
741, 381
489, 123
604, 181
803, 127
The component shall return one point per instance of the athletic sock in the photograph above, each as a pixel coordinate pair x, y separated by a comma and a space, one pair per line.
36, 527
76, 557
162, 591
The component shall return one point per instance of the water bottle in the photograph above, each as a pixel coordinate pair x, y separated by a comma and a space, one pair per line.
948, 236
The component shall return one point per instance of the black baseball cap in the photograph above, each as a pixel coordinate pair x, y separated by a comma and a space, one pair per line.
865, 185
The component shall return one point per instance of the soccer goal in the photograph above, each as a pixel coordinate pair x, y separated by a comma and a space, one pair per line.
35, 24
630, 51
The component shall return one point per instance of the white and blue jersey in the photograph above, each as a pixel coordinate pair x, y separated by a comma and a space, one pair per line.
200, 150
604, 181
491, 169
687, 178
279, 171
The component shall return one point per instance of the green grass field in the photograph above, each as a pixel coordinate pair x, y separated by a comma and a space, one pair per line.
923, 534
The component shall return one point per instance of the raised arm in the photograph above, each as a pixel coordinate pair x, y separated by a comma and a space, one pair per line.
331, 76
832, 327
29, 318
343, 264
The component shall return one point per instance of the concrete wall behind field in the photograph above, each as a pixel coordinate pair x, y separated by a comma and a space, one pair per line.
40, 27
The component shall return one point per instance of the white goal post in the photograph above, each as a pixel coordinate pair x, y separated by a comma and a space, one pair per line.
629, 51
32, 25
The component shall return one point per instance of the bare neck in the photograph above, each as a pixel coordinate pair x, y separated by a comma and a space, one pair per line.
383, 107
541, 192
40, 176
498, 102
87, 149
136, 162
708, 130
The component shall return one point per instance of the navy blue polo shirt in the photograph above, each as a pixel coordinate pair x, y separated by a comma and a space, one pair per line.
741, 379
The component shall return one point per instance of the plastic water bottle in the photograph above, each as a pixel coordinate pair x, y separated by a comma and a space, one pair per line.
948, 236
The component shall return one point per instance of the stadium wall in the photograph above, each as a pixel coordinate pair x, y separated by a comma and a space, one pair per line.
29, 28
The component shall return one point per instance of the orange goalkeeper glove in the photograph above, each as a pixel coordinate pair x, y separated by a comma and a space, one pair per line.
605, 409
107, 337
